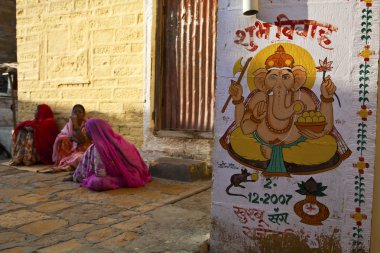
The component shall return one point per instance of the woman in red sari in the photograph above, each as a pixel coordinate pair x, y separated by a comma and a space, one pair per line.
71, 143
33, 139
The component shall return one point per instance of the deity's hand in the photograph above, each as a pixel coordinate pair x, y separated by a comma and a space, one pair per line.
260, 110
328, 87
312, 135
235, 90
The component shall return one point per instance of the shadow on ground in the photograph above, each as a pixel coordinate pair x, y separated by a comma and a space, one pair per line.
40, 213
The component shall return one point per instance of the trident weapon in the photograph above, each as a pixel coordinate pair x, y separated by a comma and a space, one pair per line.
238, 67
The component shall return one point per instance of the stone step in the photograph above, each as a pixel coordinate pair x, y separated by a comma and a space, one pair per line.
186, 170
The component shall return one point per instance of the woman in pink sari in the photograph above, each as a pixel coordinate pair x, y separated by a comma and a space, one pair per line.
110, 162
71, 143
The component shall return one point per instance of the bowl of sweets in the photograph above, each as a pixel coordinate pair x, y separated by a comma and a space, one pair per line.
311, 120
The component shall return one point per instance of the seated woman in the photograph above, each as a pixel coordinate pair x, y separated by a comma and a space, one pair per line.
71, 143
110, 162
33, 139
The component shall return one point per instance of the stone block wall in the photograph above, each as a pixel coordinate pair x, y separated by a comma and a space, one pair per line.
8, 31
83, 51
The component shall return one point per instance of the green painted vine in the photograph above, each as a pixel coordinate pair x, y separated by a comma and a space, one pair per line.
361, 165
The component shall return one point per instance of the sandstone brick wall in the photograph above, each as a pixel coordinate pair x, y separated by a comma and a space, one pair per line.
83, 51
8, 31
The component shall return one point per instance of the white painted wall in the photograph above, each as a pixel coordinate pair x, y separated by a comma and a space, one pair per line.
375, 236
244, 231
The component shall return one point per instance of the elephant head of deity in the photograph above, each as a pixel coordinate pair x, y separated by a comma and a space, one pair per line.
281, 79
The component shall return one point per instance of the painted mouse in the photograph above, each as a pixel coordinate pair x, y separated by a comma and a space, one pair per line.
237, 179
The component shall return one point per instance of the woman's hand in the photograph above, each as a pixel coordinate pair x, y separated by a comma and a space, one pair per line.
73, 139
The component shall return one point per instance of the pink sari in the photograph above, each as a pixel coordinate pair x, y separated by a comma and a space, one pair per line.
67, 152
111, 162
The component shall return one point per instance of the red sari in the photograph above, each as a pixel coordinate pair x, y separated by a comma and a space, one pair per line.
43, 131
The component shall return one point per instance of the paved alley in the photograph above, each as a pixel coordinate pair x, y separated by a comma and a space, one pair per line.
41, 213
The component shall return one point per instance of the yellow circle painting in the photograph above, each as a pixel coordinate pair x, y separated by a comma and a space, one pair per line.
301, 58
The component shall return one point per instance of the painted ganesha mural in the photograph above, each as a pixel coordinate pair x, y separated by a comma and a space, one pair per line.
282, 127
294, 161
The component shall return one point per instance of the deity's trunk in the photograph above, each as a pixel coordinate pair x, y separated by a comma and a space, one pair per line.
280, 110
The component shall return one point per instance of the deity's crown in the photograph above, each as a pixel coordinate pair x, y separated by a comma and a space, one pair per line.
279, 59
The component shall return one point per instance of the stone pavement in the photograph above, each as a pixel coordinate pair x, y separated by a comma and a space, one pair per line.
40, 213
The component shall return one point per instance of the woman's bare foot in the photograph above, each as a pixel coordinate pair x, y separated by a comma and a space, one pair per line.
66, 168
47, 170
266, 151
68, 178
14, 163
28, 163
